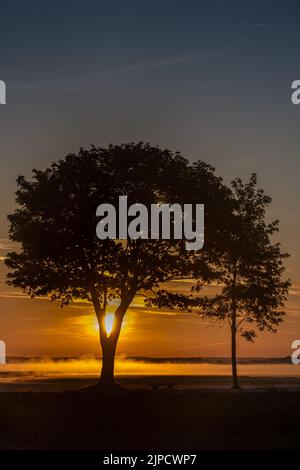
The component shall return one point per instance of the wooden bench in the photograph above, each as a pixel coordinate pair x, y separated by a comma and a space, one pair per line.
163, 386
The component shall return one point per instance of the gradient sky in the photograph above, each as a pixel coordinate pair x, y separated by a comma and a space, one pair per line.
208, 78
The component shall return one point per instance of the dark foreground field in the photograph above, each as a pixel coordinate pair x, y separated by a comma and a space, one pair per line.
263, 419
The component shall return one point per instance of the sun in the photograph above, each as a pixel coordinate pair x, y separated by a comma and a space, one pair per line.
109, 323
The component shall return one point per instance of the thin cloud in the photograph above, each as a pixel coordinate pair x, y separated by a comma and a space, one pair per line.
6, 244
167, 62
261, 25
257, 25
72, 82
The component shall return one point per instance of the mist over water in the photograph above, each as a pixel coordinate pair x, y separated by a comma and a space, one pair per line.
24, 370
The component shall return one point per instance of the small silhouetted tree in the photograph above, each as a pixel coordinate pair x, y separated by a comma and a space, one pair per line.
55, 225
249, 269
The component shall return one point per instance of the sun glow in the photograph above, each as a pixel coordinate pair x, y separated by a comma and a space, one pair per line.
109, 323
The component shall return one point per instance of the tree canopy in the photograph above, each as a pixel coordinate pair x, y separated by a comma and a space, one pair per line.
55, 224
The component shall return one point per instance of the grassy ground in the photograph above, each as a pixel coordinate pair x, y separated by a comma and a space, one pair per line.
262, 419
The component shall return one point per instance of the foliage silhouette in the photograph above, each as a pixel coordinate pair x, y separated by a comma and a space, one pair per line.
249, 270
55, 224
246, 265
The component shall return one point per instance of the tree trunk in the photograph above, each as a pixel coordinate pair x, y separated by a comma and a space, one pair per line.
109, 346
108, 342
235, 380
108, 362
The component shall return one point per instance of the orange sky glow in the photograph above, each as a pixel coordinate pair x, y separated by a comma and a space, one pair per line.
38, 327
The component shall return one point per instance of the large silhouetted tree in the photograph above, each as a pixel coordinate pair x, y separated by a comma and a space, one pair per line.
55, 225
